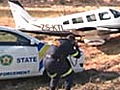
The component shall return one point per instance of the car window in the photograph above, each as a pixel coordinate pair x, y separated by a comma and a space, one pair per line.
8, 38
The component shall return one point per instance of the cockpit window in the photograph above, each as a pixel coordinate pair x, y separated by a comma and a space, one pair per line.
115, 13
104, 16
77, 20
91, 18
66, 22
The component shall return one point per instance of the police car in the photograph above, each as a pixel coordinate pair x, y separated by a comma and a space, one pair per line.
22, 55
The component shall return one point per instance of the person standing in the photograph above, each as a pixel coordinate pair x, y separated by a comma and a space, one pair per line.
56, 63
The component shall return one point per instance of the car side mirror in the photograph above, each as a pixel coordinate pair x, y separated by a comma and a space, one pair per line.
32, 42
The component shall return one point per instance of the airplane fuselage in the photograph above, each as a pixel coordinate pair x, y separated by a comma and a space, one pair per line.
93, 19
101, 18
105, 19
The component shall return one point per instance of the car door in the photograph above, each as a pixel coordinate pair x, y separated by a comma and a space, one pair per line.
18, 58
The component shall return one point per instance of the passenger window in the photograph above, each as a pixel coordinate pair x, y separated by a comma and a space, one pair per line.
77, 20
7, 38
91, 17
22, 41
104, 16
66, 22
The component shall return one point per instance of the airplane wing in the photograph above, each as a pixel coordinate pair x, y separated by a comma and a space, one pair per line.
55, 33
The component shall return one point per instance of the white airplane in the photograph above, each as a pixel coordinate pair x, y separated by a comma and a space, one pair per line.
104, 19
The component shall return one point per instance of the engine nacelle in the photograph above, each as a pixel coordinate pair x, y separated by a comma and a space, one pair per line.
95, 42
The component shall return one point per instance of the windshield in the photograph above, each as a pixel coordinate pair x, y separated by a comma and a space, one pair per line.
115, 13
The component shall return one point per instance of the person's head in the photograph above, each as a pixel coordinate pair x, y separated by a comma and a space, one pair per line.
71, 37
56, 43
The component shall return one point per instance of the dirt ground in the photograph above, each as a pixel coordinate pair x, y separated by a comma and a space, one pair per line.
102, 69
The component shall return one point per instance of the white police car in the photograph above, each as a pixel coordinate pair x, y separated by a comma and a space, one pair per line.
22, 55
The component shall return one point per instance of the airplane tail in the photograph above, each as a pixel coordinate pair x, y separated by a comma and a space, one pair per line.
20, 15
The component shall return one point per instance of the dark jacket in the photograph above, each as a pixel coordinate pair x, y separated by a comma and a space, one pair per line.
56, 57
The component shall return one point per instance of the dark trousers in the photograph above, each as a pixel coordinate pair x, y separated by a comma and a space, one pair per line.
67, 84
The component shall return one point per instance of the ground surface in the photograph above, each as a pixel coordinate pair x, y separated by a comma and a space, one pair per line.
102, 68
102, 71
